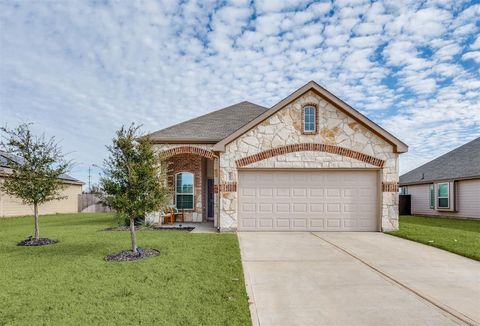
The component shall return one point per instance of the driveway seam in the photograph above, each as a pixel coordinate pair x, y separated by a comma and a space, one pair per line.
252, 305
450, 311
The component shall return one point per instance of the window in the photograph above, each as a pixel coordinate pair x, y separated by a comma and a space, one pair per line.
309, 119
404, 190
184, 190
432, 196
443, 195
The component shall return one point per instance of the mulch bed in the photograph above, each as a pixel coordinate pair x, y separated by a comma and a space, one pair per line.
125, 228
128, 255
175, 228
30, 241
153, 228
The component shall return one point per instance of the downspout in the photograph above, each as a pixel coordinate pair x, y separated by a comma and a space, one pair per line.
216, 215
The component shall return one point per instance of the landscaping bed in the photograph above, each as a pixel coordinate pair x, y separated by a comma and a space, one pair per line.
455, 235
129, 255
30, 241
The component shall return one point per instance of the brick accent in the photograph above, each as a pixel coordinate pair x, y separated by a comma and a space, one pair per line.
189, 150
390, 186
282, 150
226, 187
187, 163
316, 119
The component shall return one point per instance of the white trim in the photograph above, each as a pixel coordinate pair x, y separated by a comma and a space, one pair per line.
193, 190
431, 191
314, 118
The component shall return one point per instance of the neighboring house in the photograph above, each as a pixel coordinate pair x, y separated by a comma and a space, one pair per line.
448, 186
11, 206
310, 162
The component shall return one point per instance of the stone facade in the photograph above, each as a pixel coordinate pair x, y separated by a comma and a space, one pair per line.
334, 128
339, 142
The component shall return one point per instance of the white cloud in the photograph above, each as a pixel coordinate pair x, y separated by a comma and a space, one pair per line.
472, 55
79, 70
475, 45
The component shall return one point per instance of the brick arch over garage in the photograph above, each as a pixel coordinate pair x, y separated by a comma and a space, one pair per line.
313, 147
189, 150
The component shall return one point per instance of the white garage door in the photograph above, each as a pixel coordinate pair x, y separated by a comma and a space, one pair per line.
293, 200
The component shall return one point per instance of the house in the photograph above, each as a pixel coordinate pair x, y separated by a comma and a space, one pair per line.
11, 206
448, 186
309, 163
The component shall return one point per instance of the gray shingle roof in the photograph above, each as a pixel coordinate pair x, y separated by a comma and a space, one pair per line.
5, 157
461, 163
211, 127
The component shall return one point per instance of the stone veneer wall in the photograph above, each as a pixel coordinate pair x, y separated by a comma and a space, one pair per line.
285, 128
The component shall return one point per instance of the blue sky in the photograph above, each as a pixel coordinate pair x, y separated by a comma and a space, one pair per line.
80, 69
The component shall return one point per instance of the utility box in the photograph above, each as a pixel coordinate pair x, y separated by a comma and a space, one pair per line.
405, 205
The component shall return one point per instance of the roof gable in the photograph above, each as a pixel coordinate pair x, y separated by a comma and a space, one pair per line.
211, 127
398, 145
460, 163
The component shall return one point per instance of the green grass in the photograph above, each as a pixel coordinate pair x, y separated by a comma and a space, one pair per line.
458, 236
197, 279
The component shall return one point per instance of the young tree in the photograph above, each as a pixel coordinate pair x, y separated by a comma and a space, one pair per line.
132, 178
35, 167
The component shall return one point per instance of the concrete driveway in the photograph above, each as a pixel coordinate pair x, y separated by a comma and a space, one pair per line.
356, 279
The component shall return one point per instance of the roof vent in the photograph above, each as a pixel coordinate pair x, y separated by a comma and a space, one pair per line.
423, 176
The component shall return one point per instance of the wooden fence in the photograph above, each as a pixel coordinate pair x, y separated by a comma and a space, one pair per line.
91, 203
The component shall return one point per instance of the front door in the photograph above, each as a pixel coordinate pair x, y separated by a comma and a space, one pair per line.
210, 199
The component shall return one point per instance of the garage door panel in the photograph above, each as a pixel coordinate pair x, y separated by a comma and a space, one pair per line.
333, 192
265, 192
248, 192
282, 192
265, 223
299, 208
317, 207
248, 223
299, 192
266, 179
317, 223
248, 207
265, 208
315, 192
283, 223
350, 208
333, 208
282, 208
300, 223
334, 223
307, 200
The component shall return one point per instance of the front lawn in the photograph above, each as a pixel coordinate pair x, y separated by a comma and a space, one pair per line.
197, 279
458, 236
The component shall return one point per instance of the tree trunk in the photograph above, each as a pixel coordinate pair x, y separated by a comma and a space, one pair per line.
133, 235
37, 226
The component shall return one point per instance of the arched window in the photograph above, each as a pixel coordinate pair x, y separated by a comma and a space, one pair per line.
184, 190
309, 119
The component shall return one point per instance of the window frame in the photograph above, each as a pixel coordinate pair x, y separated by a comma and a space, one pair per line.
185, 194
315, 119
438, 195
432, 195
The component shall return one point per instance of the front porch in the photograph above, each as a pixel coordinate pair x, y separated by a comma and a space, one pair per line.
191, 179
